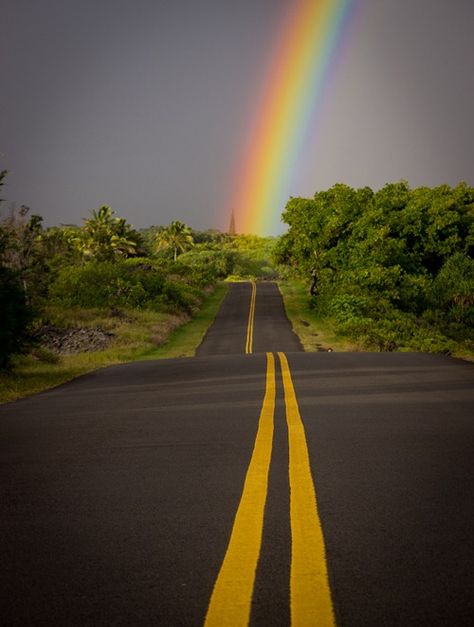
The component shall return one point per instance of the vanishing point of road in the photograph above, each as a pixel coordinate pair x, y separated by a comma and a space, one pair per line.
253, 484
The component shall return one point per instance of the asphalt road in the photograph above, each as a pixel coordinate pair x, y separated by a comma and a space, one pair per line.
271, 329
119, 490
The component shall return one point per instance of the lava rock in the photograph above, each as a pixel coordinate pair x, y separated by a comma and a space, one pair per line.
67, 341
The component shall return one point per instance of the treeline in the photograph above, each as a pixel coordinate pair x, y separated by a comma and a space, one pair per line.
393, 269
107, 264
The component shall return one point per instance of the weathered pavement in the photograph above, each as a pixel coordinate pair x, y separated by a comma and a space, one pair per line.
119, 490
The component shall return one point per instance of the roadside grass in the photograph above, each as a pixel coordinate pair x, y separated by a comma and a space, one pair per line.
319, 333
139, 334
315, 333
185, 339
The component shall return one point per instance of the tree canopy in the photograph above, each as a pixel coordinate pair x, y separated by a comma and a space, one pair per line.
106, 237
372, 254
177, 237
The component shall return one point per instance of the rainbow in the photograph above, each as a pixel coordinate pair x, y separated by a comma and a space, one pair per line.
292, 92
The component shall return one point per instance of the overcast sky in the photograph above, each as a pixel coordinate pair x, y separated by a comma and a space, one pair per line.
142, 104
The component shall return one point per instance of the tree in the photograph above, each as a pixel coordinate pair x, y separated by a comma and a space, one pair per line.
16, 317
105, 237
453, 289
3, 174
60, 243
15, 310
24, 232
389, 264
176, 237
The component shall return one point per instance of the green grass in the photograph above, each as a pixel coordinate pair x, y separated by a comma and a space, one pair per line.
184, 341
318, 333
137, 334
315, 333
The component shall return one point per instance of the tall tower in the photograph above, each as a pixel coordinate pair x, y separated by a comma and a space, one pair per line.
232, 230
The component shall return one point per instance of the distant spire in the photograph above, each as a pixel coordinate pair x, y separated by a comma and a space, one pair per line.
232, 230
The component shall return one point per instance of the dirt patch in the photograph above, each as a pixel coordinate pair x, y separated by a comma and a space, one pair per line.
74, 340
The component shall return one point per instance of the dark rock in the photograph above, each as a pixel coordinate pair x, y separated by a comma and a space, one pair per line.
67, 341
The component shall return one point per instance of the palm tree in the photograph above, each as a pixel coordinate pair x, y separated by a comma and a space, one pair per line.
107, 237
176, 237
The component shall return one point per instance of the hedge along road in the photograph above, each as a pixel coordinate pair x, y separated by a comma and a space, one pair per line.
158, 493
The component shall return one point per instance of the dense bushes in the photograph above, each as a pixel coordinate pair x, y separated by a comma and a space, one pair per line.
16, 317
392, 268
251, 257
220, 256
16, 312
137, 283
452, 291
107, 264
204, 266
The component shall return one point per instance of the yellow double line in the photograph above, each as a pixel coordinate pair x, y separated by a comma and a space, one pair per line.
310, 597
253, 298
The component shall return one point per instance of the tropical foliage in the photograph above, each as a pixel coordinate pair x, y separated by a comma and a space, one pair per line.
177, 237
105, 237
393, 268
107, 265
15, 308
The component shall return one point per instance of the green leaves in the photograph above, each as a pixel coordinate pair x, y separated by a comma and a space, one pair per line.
395, 254
453, 289
105, 237
176, 238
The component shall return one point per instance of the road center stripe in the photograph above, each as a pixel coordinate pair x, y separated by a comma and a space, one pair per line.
253, 298
310, 595
232, 595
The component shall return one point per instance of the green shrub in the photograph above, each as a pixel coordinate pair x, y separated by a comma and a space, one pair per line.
120, 284
94, 284
204, 267
345, 307
413, 292
401, 258
453, 289
177, 296
396, 331
45, 356
15, 336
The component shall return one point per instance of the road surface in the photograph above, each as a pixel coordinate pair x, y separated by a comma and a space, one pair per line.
158, 493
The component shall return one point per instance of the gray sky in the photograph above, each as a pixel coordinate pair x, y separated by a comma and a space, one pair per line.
142, 104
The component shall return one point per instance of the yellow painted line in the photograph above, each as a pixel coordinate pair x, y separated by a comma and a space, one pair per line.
254, 294
310, 594
232, 595
253, 298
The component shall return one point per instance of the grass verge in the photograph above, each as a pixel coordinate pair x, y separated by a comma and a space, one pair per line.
315, 333
184, 340
137, 334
